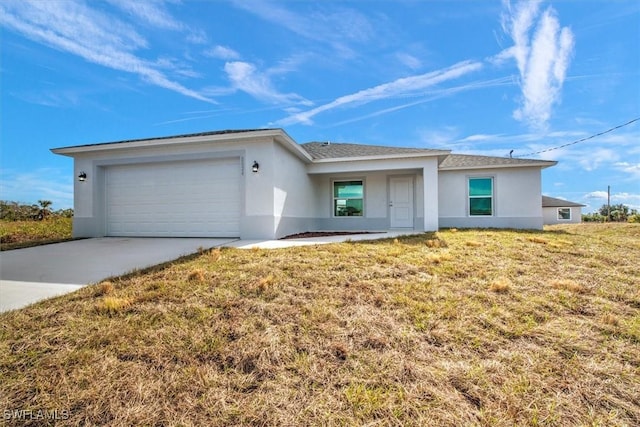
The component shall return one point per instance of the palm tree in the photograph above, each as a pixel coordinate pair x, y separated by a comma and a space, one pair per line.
44, 208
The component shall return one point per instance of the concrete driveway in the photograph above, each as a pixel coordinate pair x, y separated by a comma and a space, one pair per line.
31, 274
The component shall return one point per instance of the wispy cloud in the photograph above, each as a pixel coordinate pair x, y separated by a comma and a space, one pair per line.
629, 199
41, 184
479, 138
94, 36
246, 77
400, 87
197, 36
430, 95
152, 12
222, 52
176, 67
542, 51
337, 28
632, 170
409, 60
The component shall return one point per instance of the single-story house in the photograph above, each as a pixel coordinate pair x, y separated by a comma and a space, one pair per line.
559, 211
261, 184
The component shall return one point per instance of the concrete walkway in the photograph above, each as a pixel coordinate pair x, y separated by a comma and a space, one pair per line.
32, 274
277, 244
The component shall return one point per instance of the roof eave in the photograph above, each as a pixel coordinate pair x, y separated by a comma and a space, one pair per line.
520, 165
277, 134
434, 153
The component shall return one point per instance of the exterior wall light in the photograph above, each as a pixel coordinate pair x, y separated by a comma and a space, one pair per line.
255, 167
82, 177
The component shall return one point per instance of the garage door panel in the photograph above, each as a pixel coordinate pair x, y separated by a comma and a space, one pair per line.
190, 198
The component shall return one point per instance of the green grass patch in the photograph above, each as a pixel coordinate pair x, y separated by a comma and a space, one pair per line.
22, 234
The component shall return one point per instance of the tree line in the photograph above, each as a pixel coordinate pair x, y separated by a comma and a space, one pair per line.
15, 211
613, 213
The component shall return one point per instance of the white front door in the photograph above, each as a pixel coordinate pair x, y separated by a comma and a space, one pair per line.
401, 201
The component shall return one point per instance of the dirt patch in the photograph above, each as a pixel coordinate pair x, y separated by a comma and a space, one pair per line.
326, 233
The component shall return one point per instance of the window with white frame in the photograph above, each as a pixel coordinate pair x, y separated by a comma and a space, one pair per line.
481, 196
348, 198
564, 214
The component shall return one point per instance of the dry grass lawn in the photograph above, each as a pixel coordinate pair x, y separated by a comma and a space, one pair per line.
484, 327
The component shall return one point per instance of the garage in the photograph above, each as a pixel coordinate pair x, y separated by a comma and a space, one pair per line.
195, 198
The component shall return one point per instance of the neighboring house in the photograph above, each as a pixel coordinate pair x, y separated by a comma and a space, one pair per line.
559, 211
261, 184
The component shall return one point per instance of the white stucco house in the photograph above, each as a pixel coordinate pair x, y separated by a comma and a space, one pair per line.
560, 211
261, 184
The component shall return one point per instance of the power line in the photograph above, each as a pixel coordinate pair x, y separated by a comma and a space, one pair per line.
581, 140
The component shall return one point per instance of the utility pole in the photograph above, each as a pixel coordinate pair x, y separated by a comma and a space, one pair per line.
608, 203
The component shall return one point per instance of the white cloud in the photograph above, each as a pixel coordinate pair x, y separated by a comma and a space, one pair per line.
439, 138
336, 29
48, 98
429, 95
596, 157
479, 138
102, 39
197, 36
542, 51
41, 184
628, 199
222, 52
288, 65
408, 60
245, 77
596, 195
176, 66
399, 87
632, 169
149, 11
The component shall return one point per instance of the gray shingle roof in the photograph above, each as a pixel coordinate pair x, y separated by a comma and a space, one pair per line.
552, 202
319, 151
323, 150
188, 135
467, 161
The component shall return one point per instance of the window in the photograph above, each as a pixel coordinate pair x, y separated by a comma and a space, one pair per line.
564, 213
348, 198
481, 196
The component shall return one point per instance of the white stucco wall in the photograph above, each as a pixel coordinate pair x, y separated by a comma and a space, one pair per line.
376, 175
294, 194
289, 194
259, 189
517, 198
550, 216
375, 195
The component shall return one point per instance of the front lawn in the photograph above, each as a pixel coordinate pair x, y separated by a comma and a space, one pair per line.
468, 327
21, 234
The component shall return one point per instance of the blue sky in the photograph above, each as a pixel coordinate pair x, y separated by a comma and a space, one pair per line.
478, 77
